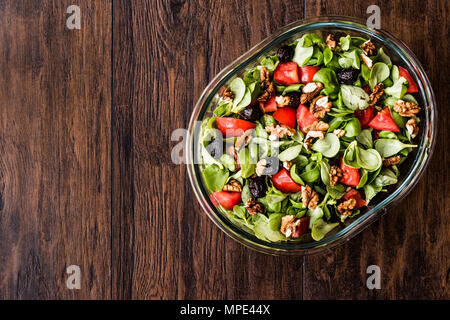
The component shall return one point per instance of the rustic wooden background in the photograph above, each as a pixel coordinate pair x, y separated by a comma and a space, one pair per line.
85, 172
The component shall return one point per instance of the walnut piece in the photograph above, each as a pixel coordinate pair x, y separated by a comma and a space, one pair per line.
269, 93
406, 108
368, 47
227, 94
289, 226
282, 101
311, 90
331, 43
244, 139
264, 74
412, 127
320, 106
367, 61
309, 198
339, 132
377, 92
335, 175
280, 131
317, 126
254, 207
232, 186
287, 165
261, 165
346, 208
392, 161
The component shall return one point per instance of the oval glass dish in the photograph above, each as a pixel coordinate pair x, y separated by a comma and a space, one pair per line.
412, 169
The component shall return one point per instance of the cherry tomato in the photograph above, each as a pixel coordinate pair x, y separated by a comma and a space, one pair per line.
286, 116
350, 176
307, 74
283, 182
302, 228
269, 106
412, 87
226, 199
304, 117
354, 194
365, 116
287, 73
383, 121
232, 127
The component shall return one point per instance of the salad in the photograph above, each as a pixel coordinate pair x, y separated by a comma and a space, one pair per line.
308, 137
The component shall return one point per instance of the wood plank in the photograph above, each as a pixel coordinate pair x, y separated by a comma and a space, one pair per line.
410, 243
54, 149
164, 245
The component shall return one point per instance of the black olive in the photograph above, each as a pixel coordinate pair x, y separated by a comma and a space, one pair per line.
285, 53
294, 99
347, 76
251, 113
215, 148
258, 187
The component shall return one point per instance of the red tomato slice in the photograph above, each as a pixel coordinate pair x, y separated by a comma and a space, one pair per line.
354, 194
226, 199
304, 117
350, 176
365, 116
283, 182
383, 121
232, 127
285, 116
412, 87
269, 106
286, 73
302, 228
307, 74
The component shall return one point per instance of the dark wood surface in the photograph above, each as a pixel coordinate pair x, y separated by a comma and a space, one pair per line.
86, 176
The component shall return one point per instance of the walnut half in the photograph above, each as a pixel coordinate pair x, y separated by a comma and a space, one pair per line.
368, 47
254, 207
346, 208
412, 127
335, 175
377, 92
406, 108
311, 90
309, 198
232, 186
320, 106
392, 161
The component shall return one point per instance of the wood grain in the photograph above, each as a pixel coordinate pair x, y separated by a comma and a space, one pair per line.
410, 244
54, 150
167, 248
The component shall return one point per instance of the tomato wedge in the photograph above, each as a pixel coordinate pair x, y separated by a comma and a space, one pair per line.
354, 194
226, 199
269, 106
232, 127
283, 182
285, 116
304, 117
383, 121
302, 228
286, 73
412, 87
350, 176
365, 116
307, 74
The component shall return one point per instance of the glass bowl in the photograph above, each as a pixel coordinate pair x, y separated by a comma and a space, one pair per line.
399, 53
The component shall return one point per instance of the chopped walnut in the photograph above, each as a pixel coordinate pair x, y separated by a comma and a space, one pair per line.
331, 43
287, 165
377, 92
232, 186
335, 175
227, 94
309, 198
269, 93
315, 130
368, 47
367, 61
392, 161
280, 131
308, 142
264, 74
412, 127
311, 90
282, 101
320, 106
339, 132
406, 108
244, 139
317, 126
254, 207
346, 208
289, 226
261, 165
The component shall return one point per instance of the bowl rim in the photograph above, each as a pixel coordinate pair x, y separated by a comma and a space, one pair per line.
416, 170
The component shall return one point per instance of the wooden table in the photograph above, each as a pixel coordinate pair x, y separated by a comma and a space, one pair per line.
86, 177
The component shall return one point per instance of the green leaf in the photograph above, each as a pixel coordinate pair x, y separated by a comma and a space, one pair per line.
264, 232
293, 88
327, 56
315, 214
363, 178
302, 54
311, 174
380, 72
398, 89
385, 178
328, 77
371, 191
215, 177
325, 172
248, 163
365, 138
328, 146
295, 176
354, 97
270, 63
352, 128
321, 228
237, 86
344, 42
369, 159
389, 147
275, 221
